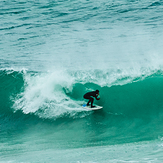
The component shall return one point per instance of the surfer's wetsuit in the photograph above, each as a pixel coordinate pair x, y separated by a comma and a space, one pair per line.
91, 99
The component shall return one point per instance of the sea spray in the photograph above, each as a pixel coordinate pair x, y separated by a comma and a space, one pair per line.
44, 95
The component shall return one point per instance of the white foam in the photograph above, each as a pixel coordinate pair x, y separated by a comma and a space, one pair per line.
44, 95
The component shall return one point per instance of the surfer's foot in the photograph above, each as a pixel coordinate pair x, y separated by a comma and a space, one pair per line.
88, 104
93, 106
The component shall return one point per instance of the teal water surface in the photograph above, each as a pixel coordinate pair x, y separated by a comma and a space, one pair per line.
52, 52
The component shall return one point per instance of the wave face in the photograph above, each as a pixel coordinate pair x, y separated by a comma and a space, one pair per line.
132, 106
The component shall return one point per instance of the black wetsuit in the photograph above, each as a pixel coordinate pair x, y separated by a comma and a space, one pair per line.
91, 99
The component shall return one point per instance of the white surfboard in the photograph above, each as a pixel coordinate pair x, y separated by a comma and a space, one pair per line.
89, 107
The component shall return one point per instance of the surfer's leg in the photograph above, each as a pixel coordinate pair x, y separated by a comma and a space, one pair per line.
91, 100
88, 98
88, 102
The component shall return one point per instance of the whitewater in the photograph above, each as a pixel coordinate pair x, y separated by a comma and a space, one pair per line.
53, 52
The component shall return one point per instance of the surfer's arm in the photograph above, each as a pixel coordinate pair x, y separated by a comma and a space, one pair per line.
97, 98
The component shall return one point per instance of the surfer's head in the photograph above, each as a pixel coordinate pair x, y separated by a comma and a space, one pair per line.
97, 92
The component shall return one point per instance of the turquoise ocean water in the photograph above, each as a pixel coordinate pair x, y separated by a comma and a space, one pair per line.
54, 51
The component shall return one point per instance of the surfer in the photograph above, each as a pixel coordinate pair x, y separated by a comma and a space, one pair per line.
90, 96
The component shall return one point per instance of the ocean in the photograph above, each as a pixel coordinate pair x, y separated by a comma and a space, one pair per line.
54, 51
